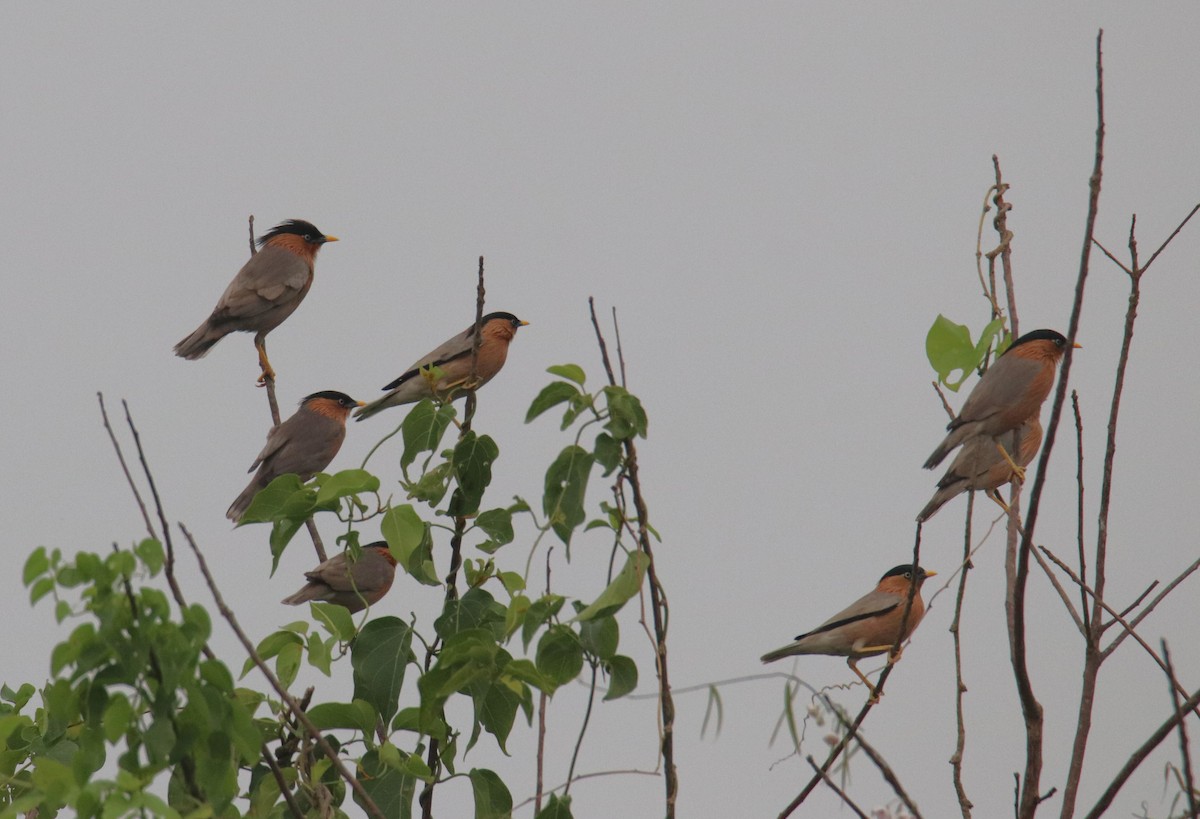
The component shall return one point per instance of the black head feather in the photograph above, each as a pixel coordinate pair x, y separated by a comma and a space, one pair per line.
1040, 335
509, 317
331, 395
903, 570
297, 227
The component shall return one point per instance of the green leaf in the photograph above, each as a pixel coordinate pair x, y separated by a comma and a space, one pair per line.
42, 587
335, 619
408, 538
556, 808
553, 394
423, 428
391, 791
282, 532
566, 486
380, 656
345, 483
496, 710
622, 676
269, 503
473, 459
432, 486
560, 655
539, 614
492, 799
571, 372
357, 715
497, 523
607, 452
949, 348
476, 609
118, 716
37, 564
151, 553
600, 636
626, 416
287, 664
624, 586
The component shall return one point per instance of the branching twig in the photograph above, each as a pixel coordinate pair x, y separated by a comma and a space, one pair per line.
824, 776
658, 601
1189, 785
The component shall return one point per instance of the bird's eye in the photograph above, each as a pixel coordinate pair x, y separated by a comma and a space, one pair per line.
308, 237
908, 575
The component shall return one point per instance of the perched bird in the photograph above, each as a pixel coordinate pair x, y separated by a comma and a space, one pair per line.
867, 627
352, 585
264, 292
1010, 392
454, 360
303, 444
986, 463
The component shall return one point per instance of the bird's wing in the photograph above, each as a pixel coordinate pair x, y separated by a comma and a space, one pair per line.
874, 604
454, 348
272, 276
1009, 376
315, 441
363, 576
276, 438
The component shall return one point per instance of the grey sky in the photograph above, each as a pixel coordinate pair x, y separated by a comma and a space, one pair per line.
778, 200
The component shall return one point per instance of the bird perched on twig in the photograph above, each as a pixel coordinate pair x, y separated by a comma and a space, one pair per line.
453, 358
985, 463
354, 585
264, 292
867, 627
1010, 392
304, 444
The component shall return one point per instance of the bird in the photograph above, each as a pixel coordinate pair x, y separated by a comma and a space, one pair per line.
985, 463
351, 584
1009, 393
453, 358
867, 627
268, 289
304, 444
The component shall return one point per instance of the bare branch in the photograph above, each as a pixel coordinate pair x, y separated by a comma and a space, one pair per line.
1189, 786
833, 787
1140, 755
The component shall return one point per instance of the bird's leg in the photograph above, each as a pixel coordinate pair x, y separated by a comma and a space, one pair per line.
1018, 471
995, 495
268, 374
852, 662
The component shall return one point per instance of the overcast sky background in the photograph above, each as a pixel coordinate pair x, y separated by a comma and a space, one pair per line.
778, 200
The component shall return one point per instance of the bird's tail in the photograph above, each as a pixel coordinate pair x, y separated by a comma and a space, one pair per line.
239, 506
956, 437
939, 499
198, 343
310, 592
778, 654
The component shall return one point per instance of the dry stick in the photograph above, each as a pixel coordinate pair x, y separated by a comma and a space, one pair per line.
1138, 756
1079, 537
592, 775
960, 688
1129, 627
587, 716
658, 601
832, 786
1031, 709
1189, 781
432, 758
884, 768
169, 565
543, 700
367, 802
1030, 798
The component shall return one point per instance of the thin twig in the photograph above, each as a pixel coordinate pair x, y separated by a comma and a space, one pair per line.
658, 600
587, 716
1173, 683
1079, 536
833, 787
592, 775
884, 768
1138, 756
365, 798
433, 754
137, 496
960, 687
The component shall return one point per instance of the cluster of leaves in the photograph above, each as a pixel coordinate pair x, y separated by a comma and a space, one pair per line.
133, 679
